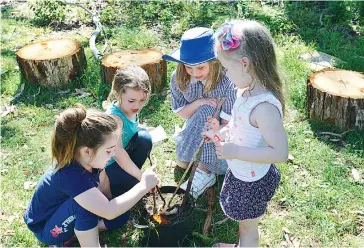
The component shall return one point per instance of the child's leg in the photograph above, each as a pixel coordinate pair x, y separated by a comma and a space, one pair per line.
249, 236
114, 223
138, 149
64, 222
104, 185
89, 238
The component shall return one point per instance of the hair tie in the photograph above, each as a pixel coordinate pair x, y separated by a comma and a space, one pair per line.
226, 38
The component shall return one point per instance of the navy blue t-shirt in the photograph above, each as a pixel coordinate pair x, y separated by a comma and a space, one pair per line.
54, 188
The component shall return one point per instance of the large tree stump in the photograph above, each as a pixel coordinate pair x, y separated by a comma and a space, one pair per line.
51, 63
150, 60
336, 96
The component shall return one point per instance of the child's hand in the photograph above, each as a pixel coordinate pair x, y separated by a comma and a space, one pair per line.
149, 179
212, 123
209, 135
226, 150
208, 101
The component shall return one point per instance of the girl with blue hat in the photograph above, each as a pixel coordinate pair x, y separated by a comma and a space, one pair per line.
196, 85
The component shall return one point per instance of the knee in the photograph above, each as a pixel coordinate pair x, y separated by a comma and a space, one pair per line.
204, 111
85, 220
145, 140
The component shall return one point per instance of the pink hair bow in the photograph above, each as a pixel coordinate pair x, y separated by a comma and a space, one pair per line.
226, 38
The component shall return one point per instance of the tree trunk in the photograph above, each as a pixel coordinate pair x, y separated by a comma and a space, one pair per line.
51, 63
336, 96
150, 60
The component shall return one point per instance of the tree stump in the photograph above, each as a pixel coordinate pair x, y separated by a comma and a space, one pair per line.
150, 60
336, 96
51, 63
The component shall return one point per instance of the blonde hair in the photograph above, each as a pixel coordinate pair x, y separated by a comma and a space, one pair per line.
214, 77
77, 127
132, 77
256, 43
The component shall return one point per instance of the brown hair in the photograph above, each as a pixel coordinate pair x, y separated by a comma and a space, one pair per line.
77, 127
258, 46
131, 76
215, 75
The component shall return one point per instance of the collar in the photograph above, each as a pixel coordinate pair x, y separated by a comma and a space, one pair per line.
194, 80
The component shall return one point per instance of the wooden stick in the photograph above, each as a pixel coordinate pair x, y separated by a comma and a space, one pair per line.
217, 111
158, 190
198, 156
211, 202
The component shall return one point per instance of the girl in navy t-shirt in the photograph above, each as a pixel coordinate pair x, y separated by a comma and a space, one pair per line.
69, 199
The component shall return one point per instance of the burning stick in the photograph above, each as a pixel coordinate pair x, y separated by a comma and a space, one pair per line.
194, 158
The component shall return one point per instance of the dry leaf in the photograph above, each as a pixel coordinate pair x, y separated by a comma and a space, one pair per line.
221, 221
151, 107
12, 218
27, 172
356, 175
29, 185
5, 110
4, 154
9, 233
81, 93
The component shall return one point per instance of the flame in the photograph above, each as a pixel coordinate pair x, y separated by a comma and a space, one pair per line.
160, 219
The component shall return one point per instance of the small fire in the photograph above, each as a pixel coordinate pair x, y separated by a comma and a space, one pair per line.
160, 219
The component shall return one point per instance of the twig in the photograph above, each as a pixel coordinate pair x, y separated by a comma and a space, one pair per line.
221, 221
336, 134
158, 189
18, 94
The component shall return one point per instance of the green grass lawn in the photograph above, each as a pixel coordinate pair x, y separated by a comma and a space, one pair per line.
318, 202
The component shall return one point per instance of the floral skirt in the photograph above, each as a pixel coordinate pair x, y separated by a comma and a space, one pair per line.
248, 200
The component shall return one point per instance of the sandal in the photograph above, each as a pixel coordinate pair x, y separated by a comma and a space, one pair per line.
224, 245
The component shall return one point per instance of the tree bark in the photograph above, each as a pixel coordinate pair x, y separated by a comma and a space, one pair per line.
51, 63
150, 60
337, 97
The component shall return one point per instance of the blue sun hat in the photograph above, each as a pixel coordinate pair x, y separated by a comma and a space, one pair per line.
197, 47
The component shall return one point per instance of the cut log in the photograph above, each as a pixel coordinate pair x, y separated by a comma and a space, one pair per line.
337, 97
51, 63
150, 60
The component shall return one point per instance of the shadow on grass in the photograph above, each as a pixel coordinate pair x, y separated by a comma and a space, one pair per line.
320, 23
351, 141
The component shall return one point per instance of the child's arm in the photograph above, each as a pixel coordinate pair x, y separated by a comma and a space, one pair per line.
122, 157
269, 121
124, 161
188, 110
95, 202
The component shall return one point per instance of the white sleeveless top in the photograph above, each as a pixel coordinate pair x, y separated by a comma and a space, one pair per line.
242, 133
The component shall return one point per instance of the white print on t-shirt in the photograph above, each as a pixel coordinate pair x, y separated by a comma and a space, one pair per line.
67, 221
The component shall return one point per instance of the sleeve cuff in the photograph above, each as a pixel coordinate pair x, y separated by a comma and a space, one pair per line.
177, 110
225, 116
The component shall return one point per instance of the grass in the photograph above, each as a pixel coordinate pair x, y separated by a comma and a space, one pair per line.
317, 201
